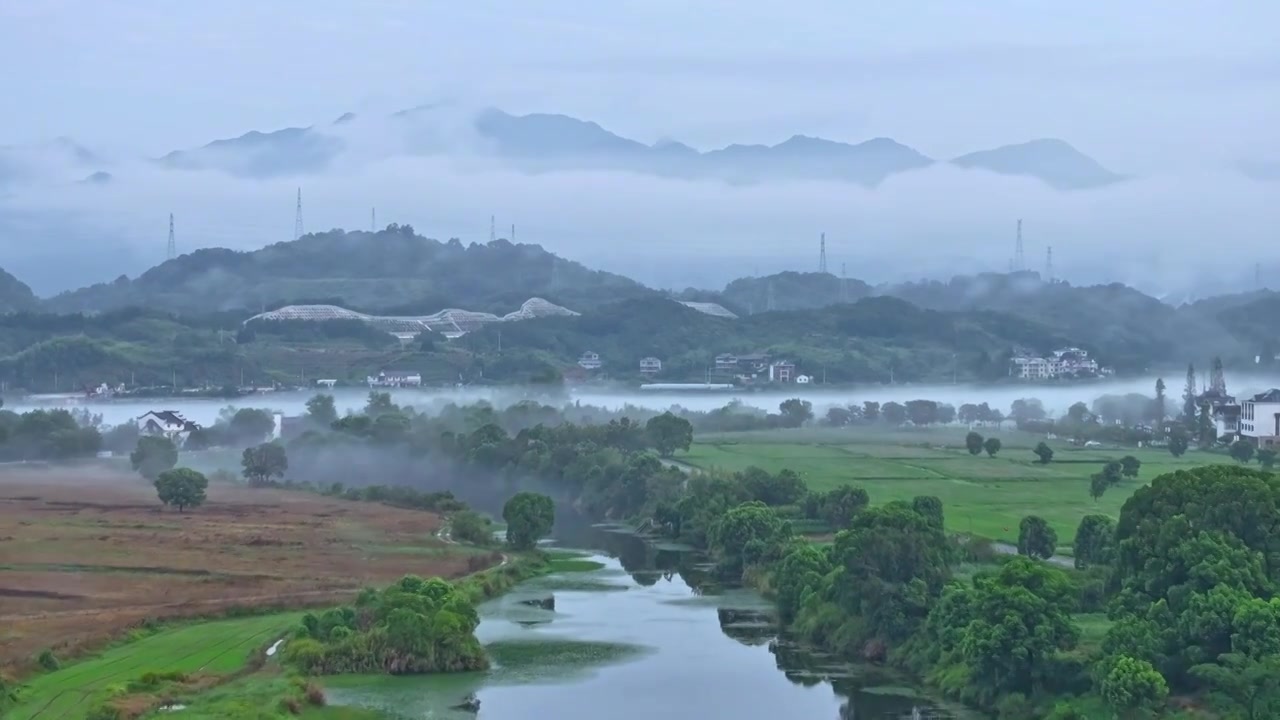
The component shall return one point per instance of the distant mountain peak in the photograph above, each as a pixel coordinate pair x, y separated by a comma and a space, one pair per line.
1052, 160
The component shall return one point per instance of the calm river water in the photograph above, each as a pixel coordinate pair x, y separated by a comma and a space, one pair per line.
645, 637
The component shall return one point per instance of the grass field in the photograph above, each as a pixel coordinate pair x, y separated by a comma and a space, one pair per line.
86, 554
981, 495
217, 648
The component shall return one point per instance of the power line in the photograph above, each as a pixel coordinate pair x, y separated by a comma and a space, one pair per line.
822, 253
171, 251
297, 218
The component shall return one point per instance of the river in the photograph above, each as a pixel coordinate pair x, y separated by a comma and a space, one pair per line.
1056, 398
647, 636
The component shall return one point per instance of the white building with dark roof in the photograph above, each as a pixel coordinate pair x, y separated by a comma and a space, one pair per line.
1260, 418
166, 423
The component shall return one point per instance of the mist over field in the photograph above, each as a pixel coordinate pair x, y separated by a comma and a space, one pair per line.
1056, 399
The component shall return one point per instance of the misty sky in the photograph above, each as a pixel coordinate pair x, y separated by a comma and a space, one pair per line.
1131, 83
1175, 92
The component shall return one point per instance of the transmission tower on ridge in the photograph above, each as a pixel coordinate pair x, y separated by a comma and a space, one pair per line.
769, 303
171, 251
1019, 262
513, 232
493, 230
297, 218
373, 219
822, 253
1048, 264
844, 285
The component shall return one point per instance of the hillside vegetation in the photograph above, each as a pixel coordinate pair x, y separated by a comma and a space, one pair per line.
392, 271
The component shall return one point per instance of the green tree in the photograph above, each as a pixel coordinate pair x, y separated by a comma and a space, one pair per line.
1178, 442
1205, 427
930, 508
1133, 688
800, 571
322, 411
469, 526
1036, 538
1095, 541
1129, 466
529, 517
1189, 397
181, 488
153, 455
251, 425
379, 403
992, 446
1267, 458
1098, 485
1248, 686
1017, 620
973, 442
893, 413
668, 432
1242, 451
785, 488
796, 412
746, 535
840, 504
1158, 407
893, 565
1044, 452
262, 462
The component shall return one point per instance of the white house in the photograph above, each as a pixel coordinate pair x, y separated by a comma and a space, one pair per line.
650, 366
1260, 418
395, 379
803, 379
168, 423
590, 361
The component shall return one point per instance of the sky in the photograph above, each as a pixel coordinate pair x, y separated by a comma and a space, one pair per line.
1176, 91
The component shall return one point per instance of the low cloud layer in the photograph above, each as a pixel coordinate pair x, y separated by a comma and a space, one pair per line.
1162, 232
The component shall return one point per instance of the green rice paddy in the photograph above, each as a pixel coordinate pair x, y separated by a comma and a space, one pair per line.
981, 495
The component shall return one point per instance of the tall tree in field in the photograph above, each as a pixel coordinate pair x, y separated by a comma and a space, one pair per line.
992, 446
181, 488
668, 433
1036, 538
153, 455
1189, 397
973, 443
1157, 408
263, 462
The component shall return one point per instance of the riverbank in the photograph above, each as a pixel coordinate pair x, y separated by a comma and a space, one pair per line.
212, 665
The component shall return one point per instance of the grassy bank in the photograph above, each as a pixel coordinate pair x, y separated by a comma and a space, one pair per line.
215, 668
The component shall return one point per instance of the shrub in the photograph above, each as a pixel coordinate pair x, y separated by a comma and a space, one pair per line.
315, 694
48, 661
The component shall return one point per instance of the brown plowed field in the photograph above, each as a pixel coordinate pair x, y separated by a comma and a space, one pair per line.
85, 554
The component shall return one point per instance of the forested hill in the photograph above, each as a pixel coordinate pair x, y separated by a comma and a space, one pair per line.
15, 296
394, 270
1130, 329
871, 340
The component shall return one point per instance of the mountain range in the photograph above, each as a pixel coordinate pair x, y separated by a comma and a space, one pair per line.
542, 142
397, 272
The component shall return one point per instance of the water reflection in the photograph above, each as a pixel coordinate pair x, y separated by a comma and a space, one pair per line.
866, 692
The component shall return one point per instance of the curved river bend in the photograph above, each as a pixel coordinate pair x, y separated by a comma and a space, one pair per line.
646, 636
